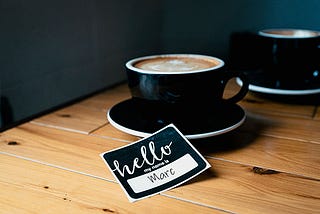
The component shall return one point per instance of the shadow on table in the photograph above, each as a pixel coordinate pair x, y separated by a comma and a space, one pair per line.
239, 138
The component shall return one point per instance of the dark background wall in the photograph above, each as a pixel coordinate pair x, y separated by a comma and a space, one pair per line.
205, 26
53, 52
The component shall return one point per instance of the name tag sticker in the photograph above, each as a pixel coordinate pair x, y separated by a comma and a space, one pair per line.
155, 164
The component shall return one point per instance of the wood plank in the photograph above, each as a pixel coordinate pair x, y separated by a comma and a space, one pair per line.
269, 163
106, 99
87, 115
283, 127
54, 190
257, 104
244, 189
90, 163
317, 113
260, 141
283, 155
108, 131
76, 118
70, 150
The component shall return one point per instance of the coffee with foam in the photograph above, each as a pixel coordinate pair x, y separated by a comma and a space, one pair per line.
181, 82
176, 64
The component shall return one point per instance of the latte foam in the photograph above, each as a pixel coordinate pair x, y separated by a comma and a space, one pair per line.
176, 64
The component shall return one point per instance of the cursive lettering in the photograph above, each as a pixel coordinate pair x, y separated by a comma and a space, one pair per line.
163, 175
165, 151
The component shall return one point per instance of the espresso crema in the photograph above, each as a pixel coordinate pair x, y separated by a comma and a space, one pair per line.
176, 64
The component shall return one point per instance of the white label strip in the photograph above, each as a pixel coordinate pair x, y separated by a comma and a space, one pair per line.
163, 175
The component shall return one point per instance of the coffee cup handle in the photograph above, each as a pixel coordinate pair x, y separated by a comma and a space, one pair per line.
244, 86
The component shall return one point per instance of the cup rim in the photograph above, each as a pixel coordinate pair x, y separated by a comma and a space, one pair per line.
300, 35
131, 62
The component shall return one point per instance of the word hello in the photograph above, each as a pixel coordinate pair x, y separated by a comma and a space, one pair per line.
139, 163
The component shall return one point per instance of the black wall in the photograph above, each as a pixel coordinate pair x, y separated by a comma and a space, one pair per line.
52, 52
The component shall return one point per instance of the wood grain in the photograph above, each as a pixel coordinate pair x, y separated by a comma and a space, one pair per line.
317, 113
65, 149
244, 189
108, 131
266, 141
269, 164
87, 115
76, 118
47, 146
283, 127
106, 99
257, 104
227, 186
284, 155
36, 188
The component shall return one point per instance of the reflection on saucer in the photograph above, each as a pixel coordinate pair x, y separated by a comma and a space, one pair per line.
132, 117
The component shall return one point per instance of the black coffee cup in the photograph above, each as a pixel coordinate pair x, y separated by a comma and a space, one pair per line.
181, 83
289, 58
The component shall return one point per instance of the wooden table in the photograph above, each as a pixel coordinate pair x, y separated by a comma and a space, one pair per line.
271, 164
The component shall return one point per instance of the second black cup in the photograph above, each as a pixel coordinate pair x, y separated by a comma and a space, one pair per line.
289, 59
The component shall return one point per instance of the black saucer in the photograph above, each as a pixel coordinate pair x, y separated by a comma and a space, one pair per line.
306, 96
133, 117
267, 83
